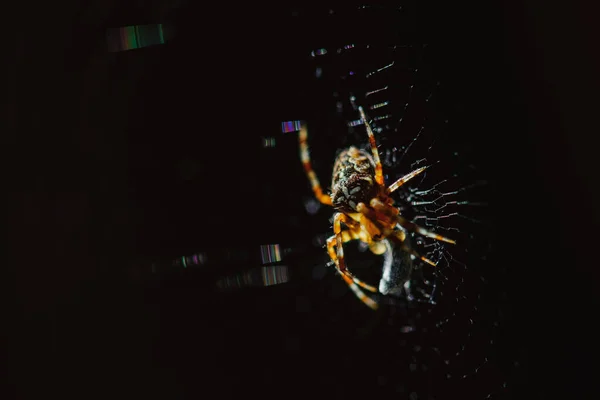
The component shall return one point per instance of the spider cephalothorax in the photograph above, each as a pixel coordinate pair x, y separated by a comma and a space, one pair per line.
364, 206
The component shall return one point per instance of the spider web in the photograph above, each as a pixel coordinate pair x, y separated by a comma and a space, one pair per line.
447, 325
444, 334
443, 343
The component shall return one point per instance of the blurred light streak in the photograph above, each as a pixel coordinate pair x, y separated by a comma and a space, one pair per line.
186, 261
268, 142
135, 37
318, 52
256, 277
270, 253
290, 126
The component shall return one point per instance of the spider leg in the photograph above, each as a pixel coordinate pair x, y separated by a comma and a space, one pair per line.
312, 177
405, 179
337, 256
378, 167
331, 243
399, 237
340, 266
360, 294
412, 227
385, 213
389, 211
376, 247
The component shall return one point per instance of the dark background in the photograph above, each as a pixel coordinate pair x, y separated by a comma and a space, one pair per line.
97, 143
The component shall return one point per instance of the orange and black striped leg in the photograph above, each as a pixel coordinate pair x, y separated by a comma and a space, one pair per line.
375, 215
341, 264
378, 166
412, 227
312, 177
405, 179
391, 214
331, 244
369, 231
372, 304
353, 233
385, 212
399, 237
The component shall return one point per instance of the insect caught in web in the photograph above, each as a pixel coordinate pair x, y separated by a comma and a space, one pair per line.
363, 204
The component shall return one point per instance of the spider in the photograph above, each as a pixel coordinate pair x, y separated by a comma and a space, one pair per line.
363, 204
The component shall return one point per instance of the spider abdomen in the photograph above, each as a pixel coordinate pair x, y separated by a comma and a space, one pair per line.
353, 180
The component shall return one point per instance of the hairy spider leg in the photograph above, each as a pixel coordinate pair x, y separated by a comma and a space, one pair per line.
331, 243
377, 248
374, 215
378, 167
312, 177
372, 304
353, 233
399, 236
386, 209
338, 255
412, 227
405, 179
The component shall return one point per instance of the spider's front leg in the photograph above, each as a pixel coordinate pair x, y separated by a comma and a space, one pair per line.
389, 214
378, 167
349, 279
337, 241
312, 177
